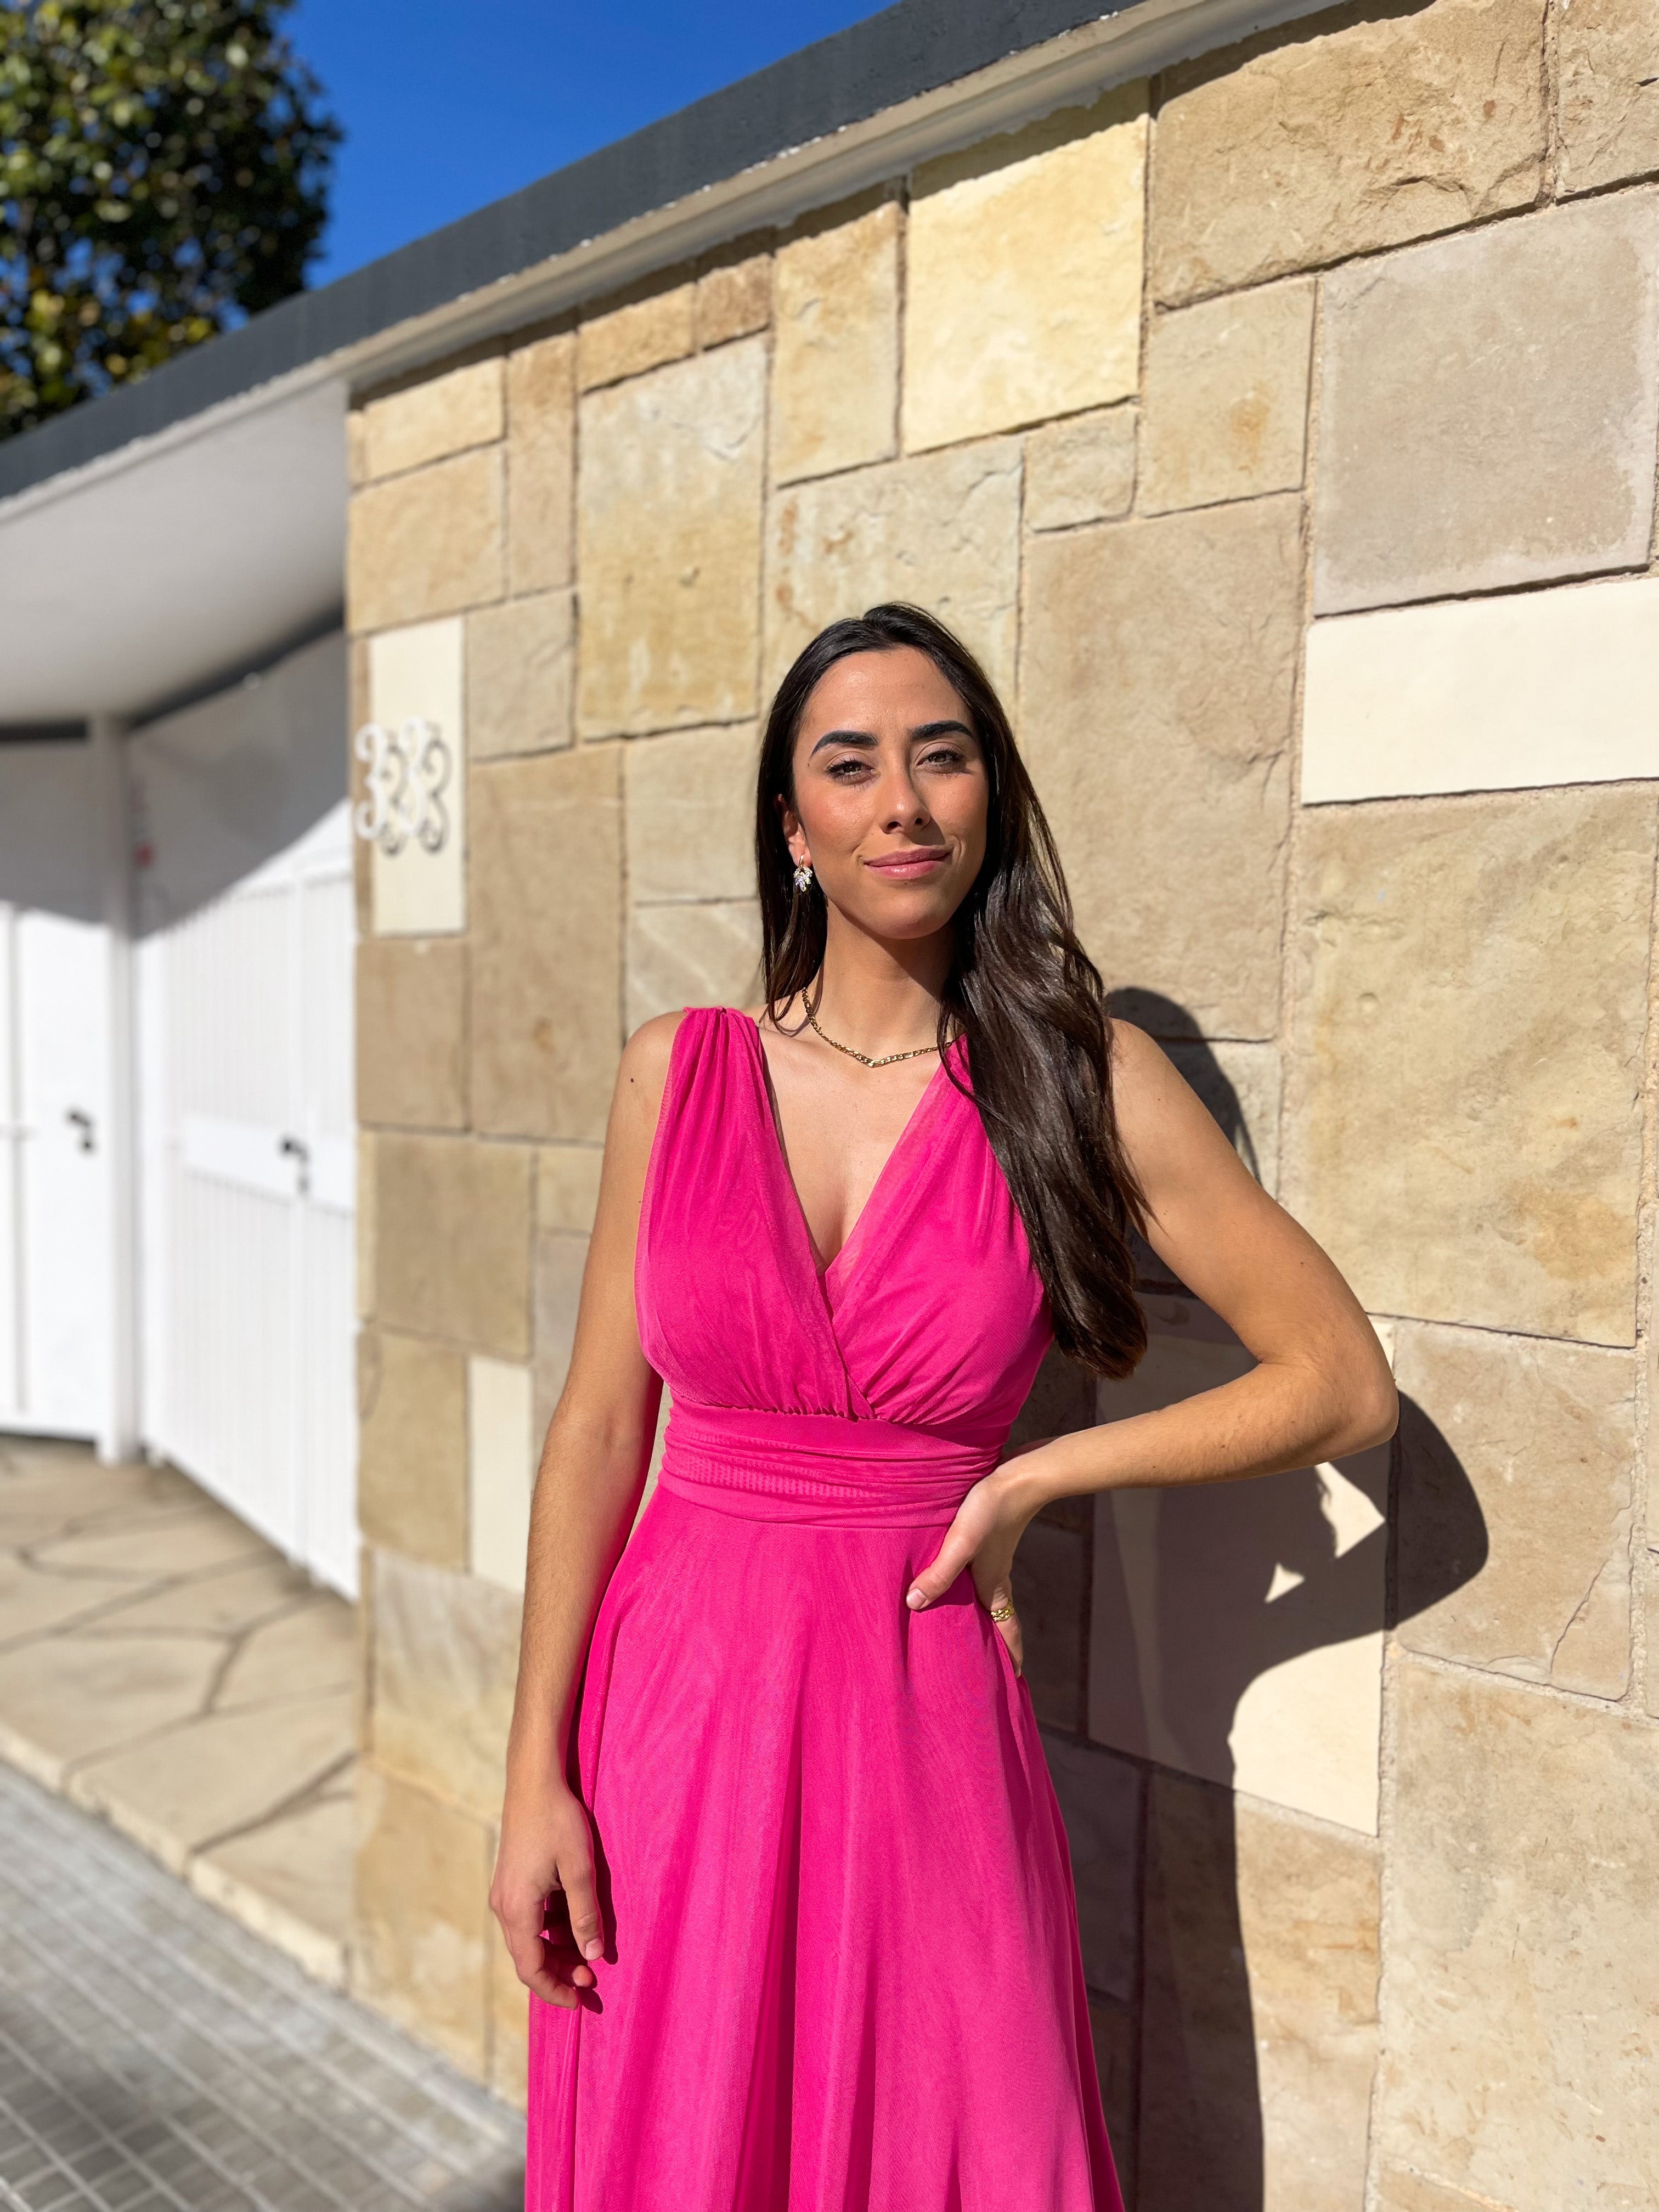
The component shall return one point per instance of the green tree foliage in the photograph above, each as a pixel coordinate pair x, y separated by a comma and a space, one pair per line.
163, 173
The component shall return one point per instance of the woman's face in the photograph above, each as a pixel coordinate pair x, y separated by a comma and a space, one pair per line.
891, 793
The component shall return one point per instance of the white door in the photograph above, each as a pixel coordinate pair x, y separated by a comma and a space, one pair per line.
56, 1303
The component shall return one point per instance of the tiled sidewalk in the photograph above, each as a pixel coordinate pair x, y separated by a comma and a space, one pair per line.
163, 1666
154, 2057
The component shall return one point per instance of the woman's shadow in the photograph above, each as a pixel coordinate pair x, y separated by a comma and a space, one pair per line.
1155, 1622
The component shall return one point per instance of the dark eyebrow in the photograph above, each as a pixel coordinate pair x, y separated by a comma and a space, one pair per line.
922, 731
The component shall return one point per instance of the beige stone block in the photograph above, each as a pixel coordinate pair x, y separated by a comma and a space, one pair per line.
1400, 2189
1305, 145
34, 1604
454, 1248
1472, 1010
834, 364
941, 531
224, 1602
669, 532
1519, 2011
1080, 470
356, 448
444, 1663
1022, 276
1651, 1611
369, 1240
1524, 690
691, 807
308, 1652
560, 1258
644, 334
46, 1487
521, 671
289, 1882
546, 863
1607, 55
541, 462
1467, 443
1157, 673
189, 1538
1241, 1084
418, 888
411, 1453
567, 1187
98, 1693
421, 1930
427, 544
440, 414
411, 1031
692, 956
500, 1460
1227, 402
509, 2028
734, 301
1517, 1474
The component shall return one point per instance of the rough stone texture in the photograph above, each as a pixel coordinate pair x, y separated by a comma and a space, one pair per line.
440, 414
421, 1928
410, 1028
1023, 276
306, 1652
734, 301
834, 367
1518, 2003
561, 1257
1080, 470
567, 1187
642, 335
1607, 53
520, 668
97, 1695
1241, 1084
1304, 146
1173, 641
411, 1452
541, 448
1400, 2189
1536, 1441
942, 531
453, 1251
444, 1660
1226, 401
1473, 1004
1651, 1611
368, 1234
426, 544
690, 811
501, 1468
669, 530
1467, 442
546, 856
692, 956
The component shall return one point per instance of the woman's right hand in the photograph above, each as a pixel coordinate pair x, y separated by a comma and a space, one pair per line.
547, 1850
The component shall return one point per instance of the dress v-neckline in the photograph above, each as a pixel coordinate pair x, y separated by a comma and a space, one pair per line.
830, 1272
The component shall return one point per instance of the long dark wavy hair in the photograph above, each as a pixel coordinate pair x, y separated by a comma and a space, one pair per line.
1022, 991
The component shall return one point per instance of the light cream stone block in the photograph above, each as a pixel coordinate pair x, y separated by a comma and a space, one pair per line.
1281, 1697
411, 1452
1080, 470
669, 531
427, 544
1524, 689
567, 1187
1519, 2010
1302, 147
520, 670
541, 460
1023, 276
1466, 443
1472, 1006
455, 1246
1226, 404
1607, 52
692, 956
735, 301
1525, 1451
561, 1258
1400, 2189
835, 366
441, 415
691, 809
941, 531
443, 1663
642, 335
420, 1928
1157, 674
1651, 1614
411, 1031
501, 1459
415, 676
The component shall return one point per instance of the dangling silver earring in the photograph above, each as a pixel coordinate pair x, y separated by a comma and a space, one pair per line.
803, 875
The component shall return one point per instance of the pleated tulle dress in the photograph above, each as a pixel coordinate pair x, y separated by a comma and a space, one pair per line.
842, 1971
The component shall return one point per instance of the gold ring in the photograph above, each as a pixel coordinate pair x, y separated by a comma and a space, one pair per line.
1002, 1612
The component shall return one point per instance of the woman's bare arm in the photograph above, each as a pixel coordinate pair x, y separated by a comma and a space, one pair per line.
587, 1491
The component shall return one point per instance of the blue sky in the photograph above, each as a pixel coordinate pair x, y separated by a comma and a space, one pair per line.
448, 104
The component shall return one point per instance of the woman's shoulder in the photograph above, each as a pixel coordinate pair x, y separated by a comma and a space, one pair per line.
649, 1052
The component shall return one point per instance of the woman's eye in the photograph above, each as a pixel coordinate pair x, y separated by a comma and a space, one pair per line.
845, 770
946, 757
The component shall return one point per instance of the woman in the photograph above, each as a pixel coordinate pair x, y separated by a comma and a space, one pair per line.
788, 1874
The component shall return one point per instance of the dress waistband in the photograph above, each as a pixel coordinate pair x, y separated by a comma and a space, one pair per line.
818, 1468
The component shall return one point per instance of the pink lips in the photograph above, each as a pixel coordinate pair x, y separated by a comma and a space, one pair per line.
905, 867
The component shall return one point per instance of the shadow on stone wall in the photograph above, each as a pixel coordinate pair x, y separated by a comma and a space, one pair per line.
1211, 1580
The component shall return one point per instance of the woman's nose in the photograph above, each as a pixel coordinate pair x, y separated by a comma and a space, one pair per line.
905, 806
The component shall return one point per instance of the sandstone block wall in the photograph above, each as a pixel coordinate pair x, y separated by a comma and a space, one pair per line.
1282, 433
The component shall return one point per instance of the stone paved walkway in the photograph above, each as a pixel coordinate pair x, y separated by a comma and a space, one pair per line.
154, 2058
163, 1666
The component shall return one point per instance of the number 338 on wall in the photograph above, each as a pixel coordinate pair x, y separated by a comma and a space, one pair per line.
407, 771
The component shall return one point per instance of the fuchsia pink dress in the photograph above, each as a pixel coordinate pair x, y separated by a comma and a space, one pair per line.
842, 1971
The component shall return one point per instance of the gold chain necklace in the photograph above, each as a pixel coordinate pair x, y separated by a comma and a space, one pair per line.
863, 1058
